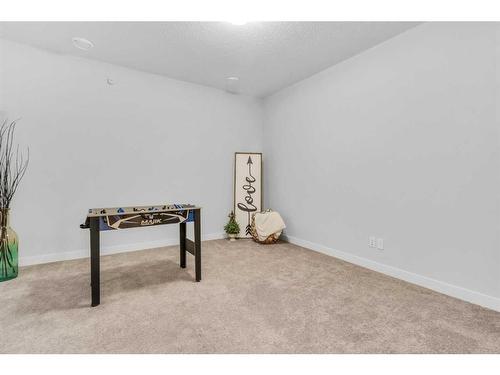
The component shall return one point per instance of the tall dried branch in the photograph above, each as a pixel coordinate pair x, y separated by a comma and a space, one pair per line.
13, 165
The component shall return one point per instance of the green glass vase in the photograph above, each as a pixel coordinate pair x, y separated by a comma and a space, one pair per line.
8, 248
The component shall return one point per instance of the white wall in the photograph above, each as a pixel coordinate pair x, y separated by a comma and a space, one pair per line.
145, 140
401, 142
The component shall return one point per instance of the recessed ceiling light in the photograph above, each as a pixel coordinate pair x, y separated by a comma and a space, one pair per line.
82, 43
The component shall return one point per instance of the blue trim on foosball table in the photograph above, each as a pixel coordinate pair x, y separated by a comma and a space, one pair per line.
103, 225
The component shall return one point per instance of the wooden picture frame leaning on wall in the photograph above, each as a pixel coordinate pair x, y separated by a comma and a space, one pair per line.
247, 186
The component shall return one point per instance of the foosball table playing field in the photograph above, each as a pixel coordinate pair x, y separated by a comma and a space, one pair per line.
104, 219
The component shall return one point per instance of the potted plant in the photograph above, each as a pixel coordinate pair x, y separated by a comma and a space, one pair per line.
232, 228
12, 168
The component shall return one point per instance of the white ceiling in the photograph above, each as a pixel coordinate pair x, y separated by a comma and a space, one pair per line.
266, 56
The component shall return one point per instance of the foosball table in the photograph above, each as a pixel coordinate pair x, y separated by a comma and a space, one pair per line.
116, 218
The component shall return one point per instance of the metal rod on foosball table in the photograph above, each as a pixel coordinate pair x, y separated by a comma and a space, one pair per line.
182, 244
95, 261
197, 243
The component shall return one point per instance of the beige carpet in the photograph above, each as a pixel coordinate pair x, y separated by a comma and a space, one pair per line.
252, 299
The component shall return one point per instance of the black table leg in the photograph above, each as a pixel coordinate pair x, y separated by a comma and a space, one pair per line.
182, 244
95, 261
197, 243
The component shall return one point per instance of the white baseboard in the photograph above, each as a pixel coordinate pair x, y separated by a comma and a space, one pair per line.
433, 284
106, 250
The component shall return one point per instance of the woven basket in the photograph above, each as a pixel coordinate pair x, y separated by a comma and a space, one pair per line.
273, 238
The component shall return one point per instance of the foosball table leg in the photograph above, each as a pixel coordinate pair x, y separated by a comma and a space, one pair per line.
182, 244
197, 243
95, 261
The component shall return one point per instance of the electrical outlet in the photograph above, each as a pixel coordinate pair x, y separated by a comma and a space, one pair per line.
372, 241
380, 244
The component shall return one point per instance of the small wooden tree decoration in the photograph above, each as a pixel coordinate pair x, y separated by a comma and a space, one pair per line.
232, 228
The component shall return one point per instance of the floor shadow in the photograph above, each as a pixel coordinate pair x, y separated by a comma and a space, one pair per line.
71, 289
146, 274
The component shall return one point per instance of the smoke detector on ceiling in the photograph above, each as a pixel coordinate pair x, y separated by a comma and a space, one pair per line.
82, 43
